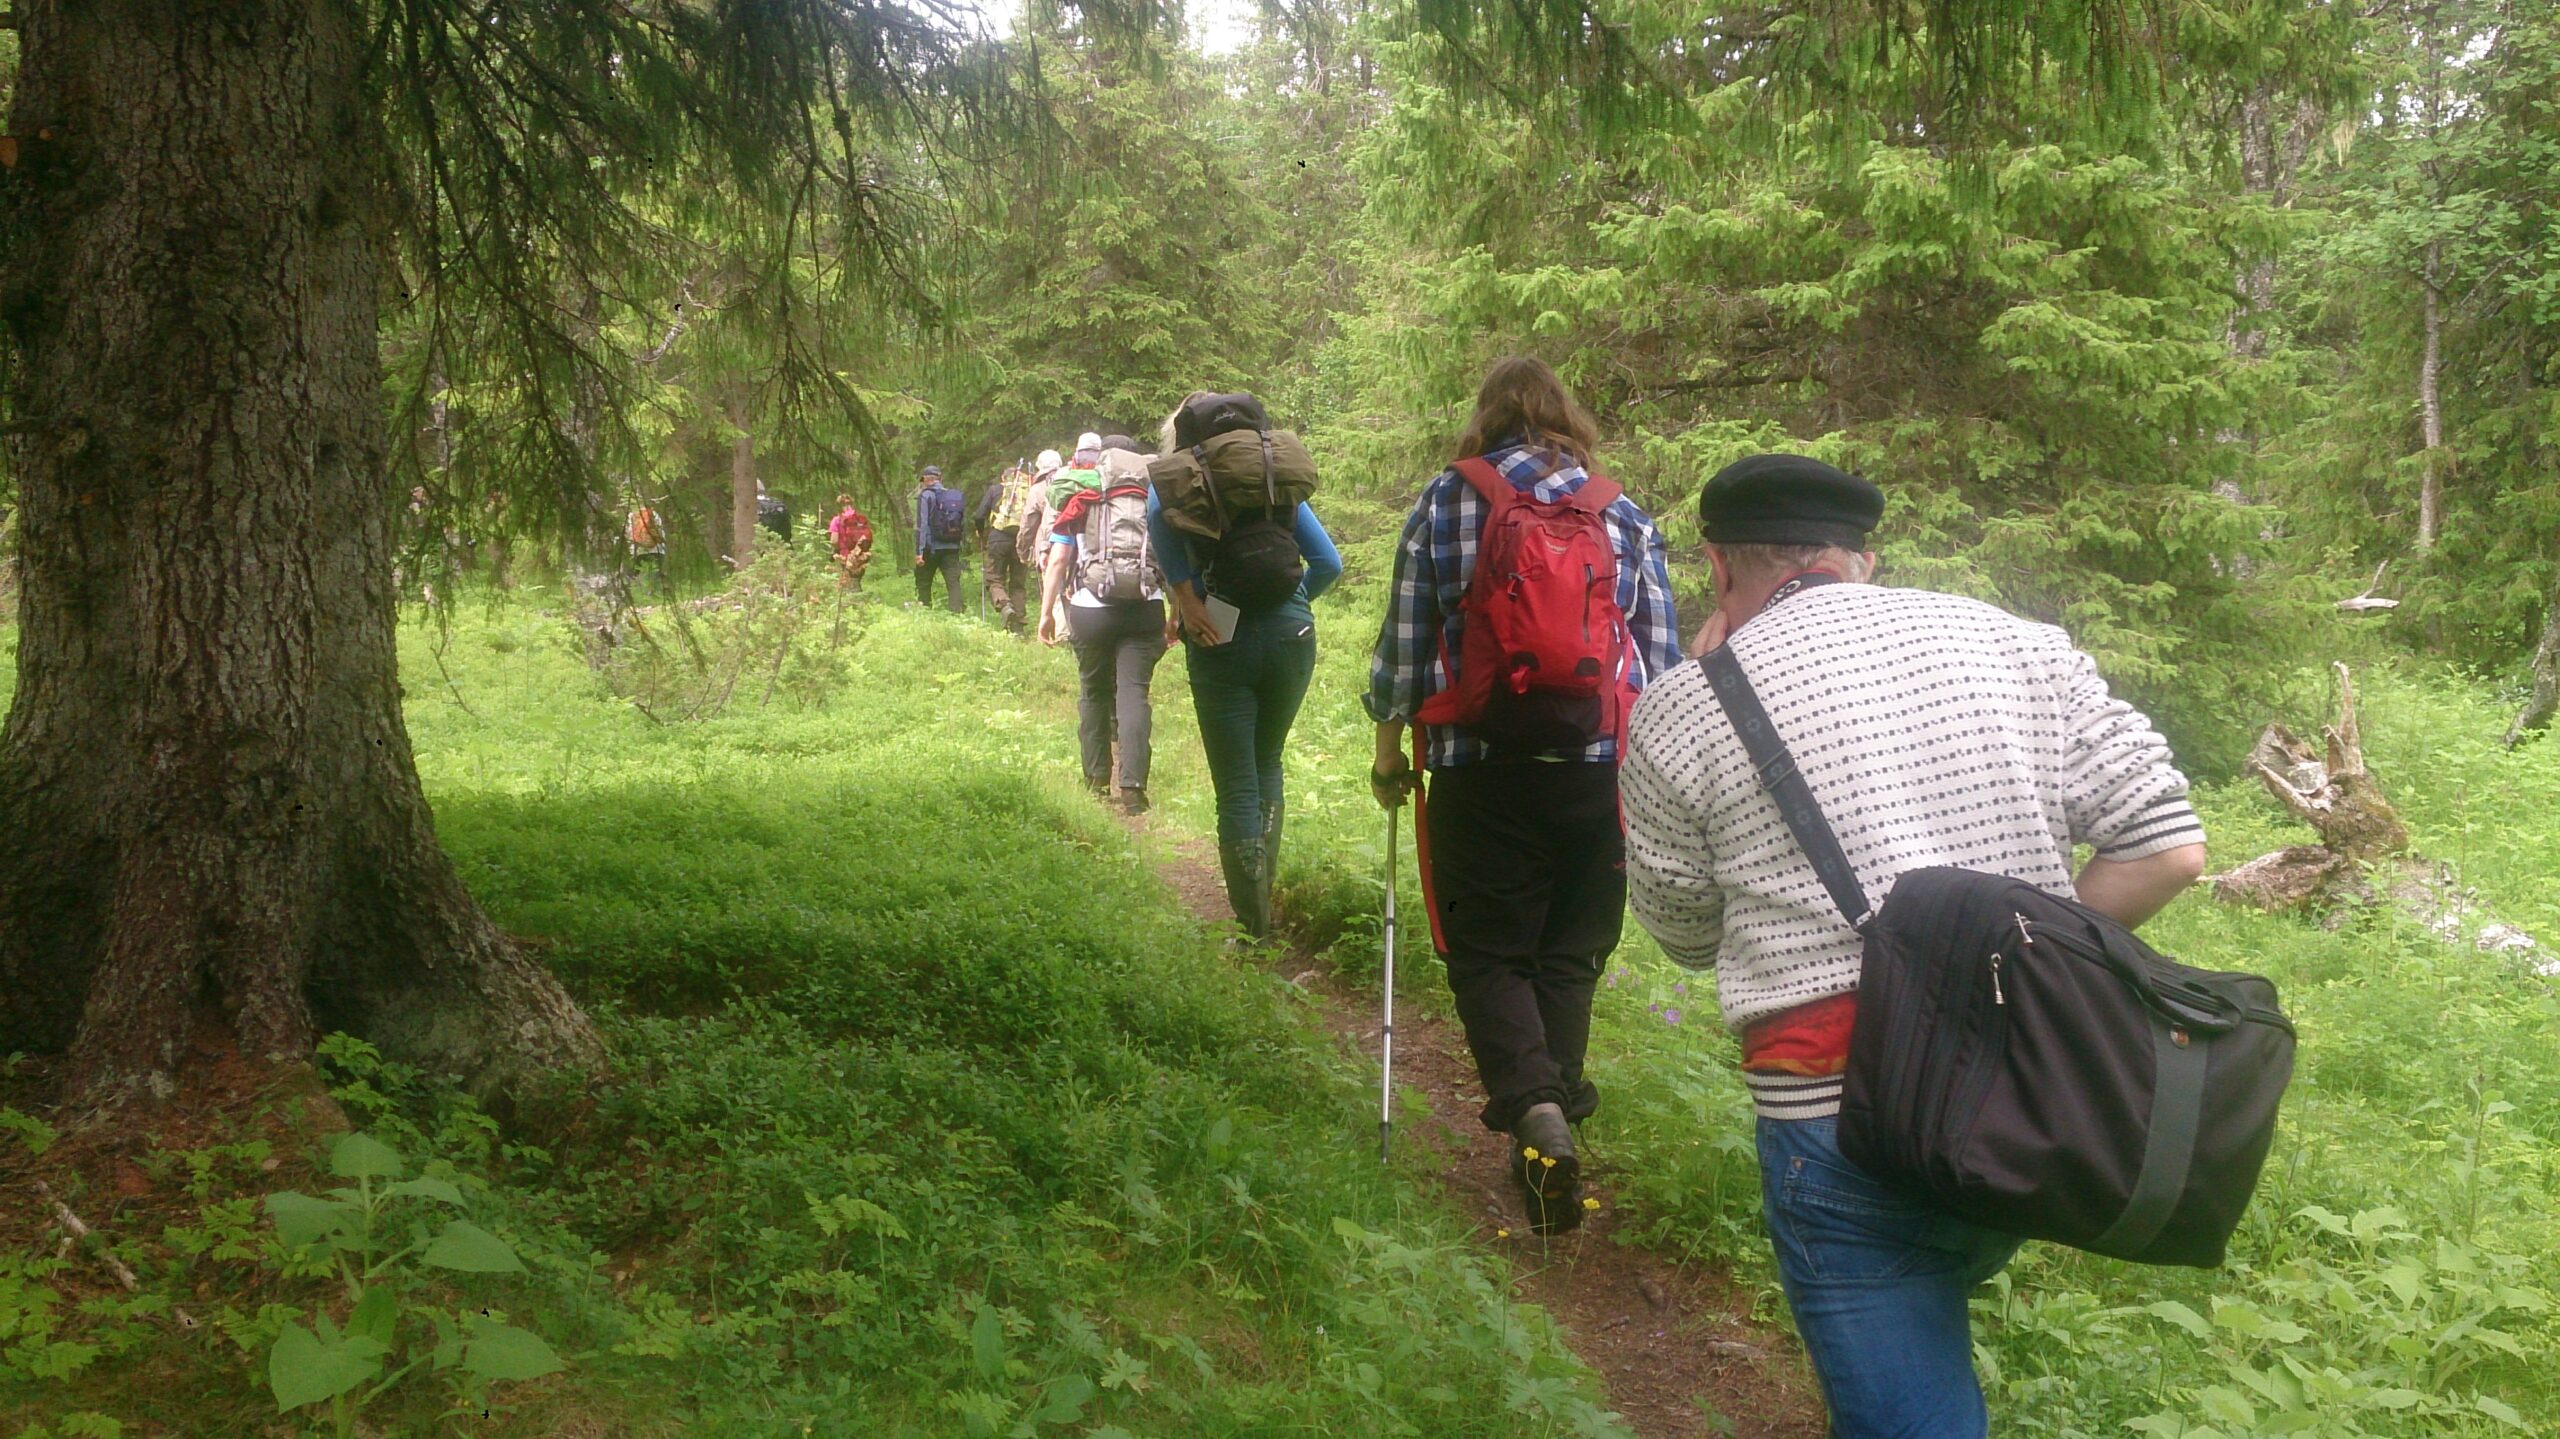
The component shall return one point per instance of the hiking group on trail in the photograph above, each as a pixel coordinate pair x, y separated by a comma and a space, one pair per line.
1983, 1053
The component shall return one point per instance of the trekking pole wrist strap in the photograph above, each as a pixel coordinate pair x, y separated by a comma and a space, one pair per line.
1777, 773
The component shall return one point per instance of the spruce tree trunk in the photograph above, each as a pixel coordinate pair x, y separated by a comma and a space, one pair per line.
2544, 700
742, 496
211, 828
2431, 406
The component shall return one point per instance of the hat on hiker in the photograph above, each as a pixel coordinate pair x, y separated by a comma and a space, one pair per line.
1120, 442
1088, 441
933, 472
1048, 461
1788, 500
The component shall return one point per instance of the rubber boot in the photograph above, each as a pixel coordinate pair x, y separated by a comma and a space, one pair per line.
1272, 815
1548, 1170
1248, 877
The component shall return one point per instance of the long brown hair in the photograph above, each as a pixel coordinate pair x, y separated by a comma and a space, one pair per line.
1522, 397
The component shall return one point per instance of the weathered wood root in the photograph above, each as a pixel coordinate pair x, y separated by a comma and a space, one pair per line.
2364, 861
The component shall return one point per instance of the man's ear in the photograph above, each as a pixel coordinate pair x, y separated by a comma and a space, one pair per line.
1868, 558
1719, 575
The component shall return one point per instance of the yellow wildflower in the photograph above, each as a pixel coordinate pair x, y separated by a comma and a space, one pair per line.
1531, 1152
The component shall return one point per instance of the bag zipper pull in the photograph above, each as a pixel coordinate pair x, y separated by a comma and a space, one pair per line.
2026, 937
1996, 996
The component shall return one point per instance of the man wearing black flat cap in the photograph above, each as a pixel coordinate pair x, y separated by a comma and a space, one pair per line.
1931, 730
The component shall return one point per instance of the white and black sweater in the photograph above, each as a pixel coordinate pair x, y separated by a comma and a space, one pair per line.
1933, 730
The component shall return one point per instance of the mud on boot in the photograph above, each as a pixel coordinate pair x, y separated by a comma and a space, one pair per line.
1547, 1169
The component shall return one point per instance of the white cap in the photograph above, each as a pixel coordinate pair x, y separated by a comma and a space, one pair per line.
1049, 460
1088, 441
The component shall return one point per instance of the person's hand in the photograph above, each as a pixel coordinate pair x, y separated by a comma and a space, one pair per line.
1711, 635
919, 562
1194, 615
1173, 627
1389, 786
1049, 627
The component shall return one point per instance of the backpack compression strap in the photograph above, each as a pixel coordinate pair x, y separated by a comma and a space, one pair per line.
1786, 785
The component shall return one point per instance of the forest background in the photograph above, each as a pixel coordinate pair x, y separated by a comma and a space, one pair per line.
2178, 364
2175, 335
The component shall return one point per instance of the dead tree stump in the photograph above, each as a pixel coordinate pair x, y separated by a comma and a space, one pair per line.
2363, 859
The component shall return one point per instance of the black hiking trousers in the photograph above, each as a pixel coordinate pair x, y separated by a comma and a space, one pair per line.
1529, 873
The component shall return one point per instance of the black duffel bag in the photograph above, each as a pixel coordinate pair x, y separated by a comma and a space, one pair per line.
2025, 1063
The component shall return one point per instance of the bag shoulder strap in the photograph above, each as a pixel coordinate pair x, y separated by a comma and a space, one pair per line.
1786, 785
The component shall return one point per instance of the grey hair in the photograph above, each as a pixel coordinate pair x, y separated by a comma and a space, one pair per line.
1768, 564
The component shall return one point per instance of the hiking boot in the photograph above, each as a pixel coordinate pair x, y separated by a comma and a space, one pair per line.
1248, 886
1133, 799
1543, 1161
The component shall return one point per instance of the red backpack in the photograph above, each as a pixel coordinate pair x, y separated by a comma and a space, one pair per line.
1544, 653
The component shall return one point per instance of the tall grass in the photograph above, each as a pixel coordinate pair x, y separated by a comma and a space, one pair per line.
2399, 1272
931, 1113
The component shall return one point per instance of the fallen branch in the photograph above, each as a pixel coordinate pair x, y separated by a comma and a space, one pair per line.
71, 1224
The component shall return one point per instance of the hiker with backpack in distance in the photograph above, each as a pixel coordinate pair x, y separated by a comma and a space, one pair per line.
647, 536
1031, 538
1531, 603
850, 533
1931, 731
1103, 564
999, 521
942, 525
1243, 556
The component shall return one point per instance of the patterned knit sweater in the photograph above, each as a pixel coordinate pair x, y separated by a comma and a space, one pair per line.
1933, 730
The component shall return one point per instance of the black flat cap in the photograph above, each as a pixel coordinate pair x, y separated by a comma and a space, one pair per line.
1788, 500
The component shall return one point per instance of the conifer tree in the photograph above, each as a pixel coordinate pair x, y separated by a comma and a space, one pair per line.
211, 828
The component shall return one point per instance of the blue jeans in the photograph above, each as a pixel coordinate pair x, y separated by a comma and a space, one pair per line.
1246, 693
1878, 1283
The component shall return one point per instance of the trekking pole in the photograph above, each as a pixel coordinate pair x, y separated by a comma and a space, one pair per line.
1387, 1029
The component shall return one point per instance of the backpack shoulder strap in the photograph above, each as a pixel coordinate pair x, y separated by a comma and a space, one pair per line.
1786, 784
1497, 492
1598, 493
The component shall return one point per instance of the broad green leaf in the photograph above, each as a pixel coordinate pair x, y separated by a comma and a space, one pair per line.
376, 1315
502, 1351
471, 1249
361, 1156
301, 1219
436, 1189
986, 1340
305, 1368
1065, 1400
2182, 1316
2501, 1411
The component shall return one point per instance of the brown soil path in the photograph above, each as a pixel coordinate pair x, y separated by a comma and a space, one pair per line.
1674, 1343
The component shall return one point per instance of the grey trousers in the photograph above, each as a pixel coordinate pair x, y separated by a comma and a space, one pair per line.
1117, 647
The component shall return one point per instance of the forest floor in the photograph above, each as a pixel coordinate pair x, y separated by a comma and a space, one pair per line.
1676, 1344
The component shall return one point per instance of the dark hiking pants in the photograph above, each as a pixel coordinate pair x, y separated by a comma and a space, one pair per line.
1006, 581
947, 563
1528, 868
1117, 647
1246, 693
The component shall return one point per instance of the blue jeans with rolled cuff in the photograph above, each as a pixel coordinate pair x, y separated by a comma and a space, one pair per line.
1878, 1283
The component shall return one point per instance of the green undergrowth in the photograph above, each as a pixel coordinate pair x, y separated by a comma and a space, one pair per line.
2399, 1274
931, 1113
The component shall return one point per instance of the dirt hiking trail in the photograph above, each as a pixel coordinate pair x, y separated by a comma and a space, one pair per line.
1674, 1343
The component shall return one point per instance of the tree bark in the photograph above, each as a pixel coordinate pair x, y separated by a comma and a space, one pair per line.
2431, 404
742, 494
2544, 701
210, 819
